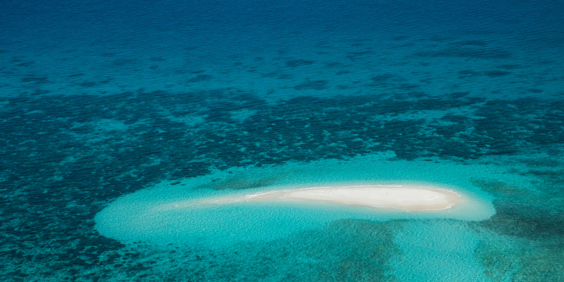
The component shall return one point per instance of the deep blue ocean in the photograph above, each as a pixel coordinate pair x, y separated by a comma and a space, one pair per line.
112, 110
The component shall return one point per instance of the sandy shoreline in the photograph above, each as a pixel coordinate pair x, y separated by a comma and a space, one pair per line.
405, 197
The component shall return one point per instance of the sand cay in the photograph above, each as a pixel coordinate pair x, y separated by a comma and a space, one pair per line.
405, 197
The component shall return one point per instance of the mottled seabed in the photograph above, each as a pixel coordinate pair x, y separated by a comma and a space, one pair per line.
72, 157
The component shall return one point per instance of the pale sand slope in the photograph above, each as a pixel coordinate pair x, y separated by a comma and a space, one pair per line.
406, 197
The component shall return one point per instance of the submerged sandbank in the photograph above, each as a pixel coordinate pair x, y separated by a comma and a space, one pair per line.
273, 202
405, 197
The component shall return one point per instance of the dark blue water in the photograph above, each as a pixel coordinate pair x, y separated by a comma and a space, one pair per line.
102, 99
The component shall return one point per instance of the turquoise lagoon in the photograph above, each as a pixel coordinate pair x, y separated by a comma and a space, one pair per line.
422, 245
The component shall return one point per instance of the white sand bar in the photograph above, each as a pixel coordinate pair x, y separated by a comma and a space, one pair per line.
406, 197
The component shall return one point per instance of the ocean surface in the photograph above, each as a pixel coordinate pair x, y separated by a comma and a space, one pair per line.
111, 110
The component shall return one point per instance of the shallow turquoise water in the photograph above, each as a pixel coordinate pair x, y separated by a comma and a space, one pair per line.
434, 245
108, 110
